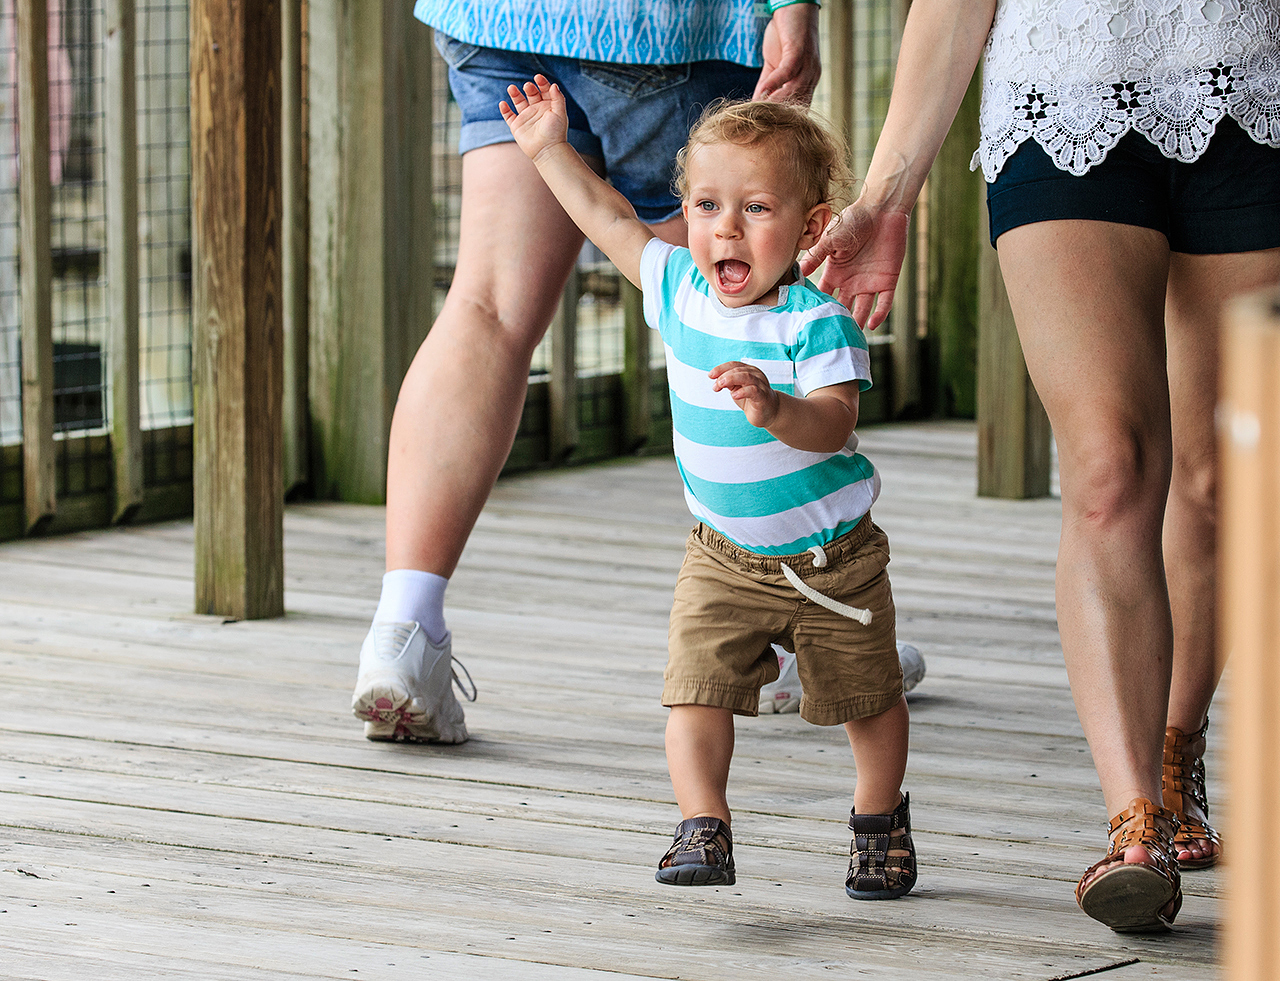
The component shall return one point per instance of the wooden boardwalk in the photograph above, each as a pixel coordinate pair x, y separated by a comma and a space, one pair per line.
186, 798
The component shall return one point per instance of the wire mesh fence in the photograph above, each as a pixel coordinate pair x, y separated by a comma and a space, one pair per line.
82, 354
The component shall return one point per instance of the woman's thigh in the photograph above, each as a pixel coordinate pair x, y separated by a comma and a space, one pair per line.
1088, 298
1200, 287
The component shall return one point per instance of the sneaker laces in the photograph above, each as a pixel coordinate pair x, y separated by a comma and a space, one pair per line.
393, 636
471, 695
809, 593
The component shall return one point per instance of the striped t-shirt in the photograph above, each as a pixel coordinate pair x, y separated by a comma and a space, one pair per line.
757, 491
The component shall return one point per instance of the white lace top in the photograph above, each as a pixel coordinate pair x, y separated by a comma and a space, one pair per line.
1076, 75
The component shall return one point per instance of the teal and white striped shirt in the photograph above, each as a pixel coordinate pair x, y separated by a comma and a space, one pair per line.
757, 491
633, 32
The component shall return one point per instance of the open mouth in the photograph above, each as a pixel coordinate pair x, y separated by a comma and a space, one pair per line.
732, 275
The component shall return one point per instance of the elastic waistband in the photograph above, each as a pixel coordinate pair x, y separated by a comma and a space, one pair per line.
804, 564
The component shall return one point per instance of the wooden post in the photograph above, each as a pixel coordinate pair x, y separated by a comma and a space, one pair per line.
39, 480
637, 374
237, 348
563, 392
371, 240
122, 254
295, 264
1013, 431
954, 206
1249, 629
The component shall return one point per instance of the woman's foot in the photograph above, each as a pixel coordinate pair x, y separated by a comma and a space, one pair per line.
1136, 887
1198, 845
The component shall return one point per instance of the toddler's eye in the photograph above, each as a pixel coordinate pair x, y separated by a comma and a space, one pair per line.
706, 206
756, 209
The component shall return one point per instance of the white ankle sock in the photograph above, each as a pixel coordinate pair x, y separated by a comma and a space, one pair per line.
408, 594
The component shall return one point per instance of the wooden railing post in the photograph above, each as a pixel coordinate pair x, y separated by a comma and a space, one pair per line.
1014, 438
122, 254
637, 374
294, 258
562, 438
39, 480
237, 345
371, 232
1249, 629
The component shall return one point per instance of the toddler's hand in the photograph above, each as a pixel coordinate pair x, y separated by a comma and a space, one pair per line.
750, 389
540, 118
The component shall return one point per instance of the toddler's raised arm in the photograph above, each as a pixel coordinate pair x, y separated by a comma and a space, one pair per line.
539, 121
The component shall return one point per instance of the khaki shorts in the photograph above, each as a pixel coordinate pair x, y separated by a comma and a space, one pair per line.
731, 604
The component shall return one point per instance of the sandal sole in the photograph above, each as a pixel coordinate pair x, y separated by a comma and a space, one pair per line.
694, 875
1129, 898
896, 893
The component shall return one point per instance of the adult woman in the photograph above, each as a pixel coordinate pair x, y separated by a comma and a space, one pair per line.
1130, 147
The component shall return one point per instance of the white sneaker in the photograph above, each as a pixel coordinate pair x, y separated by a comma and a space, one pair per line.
784, 694
912, 662
405, 687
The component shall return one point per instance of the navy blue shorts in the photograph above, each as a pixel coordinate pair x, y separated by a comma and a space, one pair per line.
633, 117
1226, 201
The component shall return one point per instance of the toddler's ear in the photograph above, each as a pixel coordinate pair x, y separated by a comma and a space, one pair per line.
815, 224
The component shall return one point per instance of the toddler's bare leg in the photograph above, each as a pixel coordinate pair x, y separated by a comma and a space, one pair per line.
699, 749
879, 745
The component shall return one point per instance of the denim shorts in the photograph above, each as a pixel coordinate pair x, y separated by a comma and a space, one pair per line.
633, 117
1226, 201
731, 604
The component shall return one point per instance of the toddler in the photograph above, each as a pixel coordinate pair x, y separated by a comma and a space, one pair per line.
765, 374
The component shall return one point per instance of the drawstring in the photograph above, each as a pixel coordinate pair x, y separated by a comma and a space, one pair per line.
809, 593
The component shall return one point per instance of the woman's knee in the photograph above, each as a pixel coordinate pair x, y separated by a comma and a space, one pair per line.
1121, 474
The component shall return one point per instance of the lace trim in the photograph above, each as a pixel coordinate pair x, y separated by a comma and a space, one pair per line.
1052, 67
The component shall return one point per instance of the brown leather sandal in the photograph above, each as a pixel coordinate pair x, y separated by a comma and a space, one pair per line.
1132, 897
1183, 782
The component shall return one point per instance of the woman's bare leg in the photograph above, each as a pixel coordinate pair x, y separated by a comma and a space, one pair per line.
461, 399
1199, 287
1088, 298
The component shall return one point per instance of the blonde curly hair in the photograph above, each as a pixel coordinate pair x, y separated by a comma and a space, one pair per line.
805, 146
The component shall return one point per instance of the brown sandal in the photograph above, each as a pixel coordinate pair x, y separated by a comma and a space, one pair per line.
1183, 782
1133, 897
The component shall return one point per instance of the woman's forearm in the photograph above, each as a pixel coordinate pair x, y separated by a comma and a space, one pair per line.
942, 42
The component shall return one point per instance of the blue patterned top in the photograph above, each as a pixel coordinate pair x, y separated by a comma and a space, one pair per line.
634, 32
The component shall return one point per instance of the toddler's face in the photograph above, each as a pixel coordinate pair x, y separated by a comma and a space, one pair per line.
746, 224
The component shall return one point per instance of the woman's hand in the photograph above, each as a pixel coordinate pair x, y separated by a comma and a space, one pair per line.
863, 251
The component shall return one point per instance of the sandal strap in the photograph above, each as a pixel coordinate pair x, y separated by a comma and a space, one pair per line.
1183, 771
871, 867
701, 841
1141, 823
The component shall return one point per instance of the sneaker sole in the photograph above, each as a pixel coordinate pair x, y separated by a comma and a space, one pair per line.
387, 718
770, 706
695, 875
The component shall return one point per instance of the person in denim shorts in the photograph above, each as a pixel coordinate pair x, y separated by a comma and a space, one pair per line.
1132, 155
636, 76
